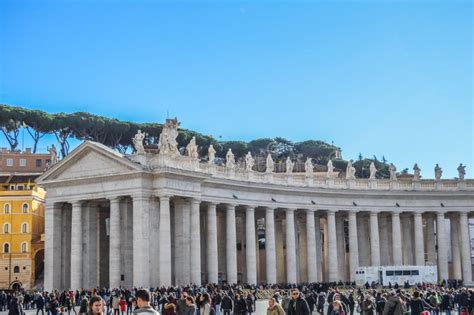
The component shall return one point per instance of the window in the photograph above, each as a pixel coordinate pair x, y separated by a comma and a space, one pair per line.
24, 228
6, 228
9, 162
38, 163
415, 272
398, 272
6, 248
24, 247
6, 208
22, 162
389, 273
406, 272
20, 187
16, 269
25, 208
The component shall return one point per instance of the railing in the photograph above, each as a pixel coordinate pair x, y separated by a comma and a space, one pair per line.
303, 180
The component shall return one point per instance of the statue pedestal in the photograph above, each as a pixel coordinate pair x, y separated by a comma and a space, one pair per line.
330, 182
289, 179
250, 175
394, 184
140, 158
439, 185
461, 185
309, 181
416, 185
269, 177
231, 172
351, 184
372, 184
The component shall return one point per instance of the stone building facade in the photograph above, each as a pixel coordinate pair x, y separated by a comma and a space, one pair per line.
163, 218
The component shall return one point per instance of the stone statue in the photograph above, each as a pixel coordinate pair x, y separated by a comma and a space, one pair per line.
138, 142
289, 166
438, 172
393, 171
373, 170
54, 154
249, 161
192, 149
416, 172
461, 171
167, 142
350, 171
229, 159
211, 152
270, 164
308, 167
330, 172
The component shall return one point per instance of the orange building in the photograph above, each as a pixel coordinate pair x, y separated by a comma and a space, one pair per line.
21, 222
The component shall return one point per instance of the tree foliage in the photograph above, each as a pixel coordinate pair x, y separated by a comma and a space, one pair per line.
118, 134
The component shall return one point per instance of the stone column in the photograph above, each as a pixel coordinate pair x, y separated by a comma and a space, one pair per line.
231, 245
76, 246
319, 264
196, 246
311, 246
419, 245
374, 239
455, 250
141, 238
332, 246
270, 246
353, 244
430, 239
465, 248
407, 240
442, 246
165, 241
154, 243
212, 258
397, 239
290, 246
114, 243
251, 252
341, 250
52, 256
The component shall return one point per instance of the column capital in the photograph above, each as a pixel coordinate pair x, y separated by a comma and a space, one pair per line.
231, 205
441, 213
290, 209
396, 212
272, 209
374, 212
113, 199
210, 203
195, 200
353, 212
76, 203
310, 210
249, 208
141, 196
331, 211
417, 213
163, 196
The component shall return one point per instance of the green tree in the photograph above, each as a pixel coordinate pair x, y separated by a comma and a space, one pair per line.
38, 124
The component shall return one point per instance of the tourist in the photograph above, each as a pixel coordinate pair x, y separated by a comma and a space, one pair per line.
297, 305
190, 306
394, 305
96, 305
336, 308
205, 304
416, 304
83, 305
39, 302
274, 308
123, 305
227, 305
143, 297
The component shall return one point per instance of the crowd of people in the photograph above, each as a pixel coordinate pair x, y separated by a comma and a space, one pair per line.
302, 299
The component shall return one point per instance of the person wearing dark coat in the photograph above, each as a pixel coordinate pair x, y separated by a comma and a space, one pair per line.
39, 302
15, 308
416, 304
393, 306
240, 306
227, 305
297, 305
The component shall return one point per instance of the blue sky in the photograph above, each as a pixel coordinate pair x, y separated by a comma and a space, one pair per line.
377, 77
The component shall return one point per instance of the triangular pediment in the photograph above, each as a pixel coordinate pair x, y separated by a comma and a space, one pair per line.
90, 159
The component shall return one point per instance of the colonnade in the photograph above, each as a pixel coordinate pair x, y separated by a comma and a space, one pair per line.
144, 240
